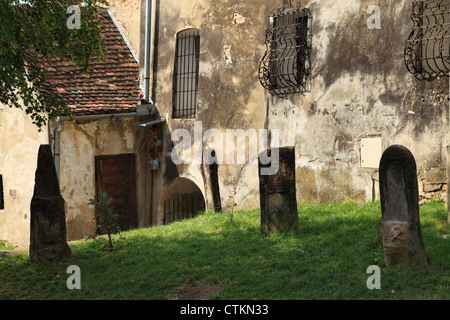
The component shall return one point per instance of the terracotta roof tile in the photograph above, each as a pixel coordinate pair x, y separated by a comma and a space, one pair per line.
111, 85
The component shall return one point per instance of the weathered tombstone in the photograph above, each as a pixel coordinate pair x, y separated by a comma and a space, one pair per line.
399, 192
277, 192
48, 221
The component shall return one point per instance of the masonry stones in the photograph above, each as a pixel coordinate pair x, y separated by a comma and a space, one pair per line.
399, 192
48, 222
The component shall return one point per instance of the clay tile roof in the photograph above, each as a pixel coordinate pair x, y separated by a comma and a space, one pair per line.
111, 86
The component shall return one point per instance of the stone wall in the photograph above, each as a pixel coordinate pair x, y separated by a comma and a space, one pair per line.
360, 88
81, 142
19, 146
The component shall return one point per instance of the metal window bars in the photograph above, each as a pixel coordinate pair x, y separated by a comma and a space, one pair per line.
285, 66
185, 83
183, 206
427, 50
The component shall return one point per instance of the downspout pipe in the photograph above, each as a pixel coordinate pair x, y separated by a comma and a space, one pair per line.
148, 35
151, 112
58, 148
147, 99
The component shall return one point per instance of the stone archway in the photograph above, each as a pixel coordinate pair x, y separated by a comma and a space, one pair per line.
181, 199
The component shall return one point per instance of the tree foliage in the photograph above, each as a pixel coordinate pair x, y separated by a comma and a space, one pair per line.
32, 30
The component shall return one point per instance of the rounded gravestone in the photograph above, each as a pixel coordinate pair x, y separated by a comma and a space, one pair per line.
399, 194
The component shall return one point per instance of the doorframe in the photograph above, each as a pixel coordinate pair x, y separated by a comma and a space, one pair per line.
134, 177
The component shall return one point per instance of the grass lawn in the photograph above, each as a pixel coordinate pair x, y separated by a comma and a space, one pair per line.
6, 246
328, 259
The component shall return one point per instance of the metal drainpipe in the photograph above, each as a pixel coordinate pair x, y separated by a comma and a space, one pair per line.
148, 31
373, 187
58, 147
147, 99
108, 116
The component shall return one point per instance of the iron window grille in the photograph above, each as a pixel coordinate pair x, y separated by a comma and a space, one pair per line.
185, 82
427, 51
2, 199
183, 206
285, 66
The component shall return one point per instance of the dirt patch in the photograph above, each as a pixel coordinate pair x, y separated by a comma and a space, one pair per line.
4, 253
200, 291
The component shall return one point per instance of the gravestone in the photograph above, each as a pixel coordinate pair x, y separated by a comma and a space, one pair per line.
399, 192
277, 191
48, 221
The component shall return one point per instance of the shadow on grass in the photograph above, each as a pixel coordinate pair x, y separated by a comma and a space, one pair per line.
327, 259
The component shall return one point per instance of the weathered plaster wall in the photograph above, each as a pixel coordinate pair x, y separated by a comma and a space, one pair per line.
19, 145
127, 14
229, 96
360, 87
81, 141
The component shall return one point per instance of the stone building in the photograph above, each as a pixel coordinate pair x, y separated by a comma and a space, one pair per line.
340, 100
19, 145
100, 146
338, 80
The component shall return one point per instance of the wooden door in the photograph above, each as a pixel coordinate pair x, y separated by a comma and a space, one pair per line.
117, 176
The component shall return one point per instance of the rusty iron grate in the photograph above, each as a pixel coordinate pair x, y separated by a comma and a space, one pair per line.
427, 51
285, 66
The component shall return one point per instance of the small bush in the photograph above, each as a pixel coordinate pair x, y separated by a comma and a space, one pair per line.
104, 215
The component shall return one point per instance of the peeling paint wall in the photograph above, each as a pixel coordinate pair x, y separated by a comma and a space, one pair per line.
19, 145
81, 142
127, 15
360, 87
229, 95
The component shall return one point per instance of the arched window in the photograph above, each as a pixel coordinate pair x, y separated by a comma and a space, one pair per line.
185, 79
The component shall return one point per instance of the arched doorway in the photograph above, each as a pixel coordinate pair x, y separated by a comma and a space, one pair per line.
182, 199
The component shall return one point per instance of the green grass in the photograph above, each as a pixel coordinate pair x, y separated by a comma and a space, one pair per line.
328, 259
4, 245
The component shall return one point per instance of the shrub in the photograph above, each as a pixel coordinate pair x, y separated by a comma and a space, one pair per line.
104, 215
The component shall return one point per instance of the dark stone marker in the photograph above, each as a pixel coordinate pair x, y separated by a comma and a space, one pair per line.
48, 221
214, 180
210, 170
277, 191
399, 192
